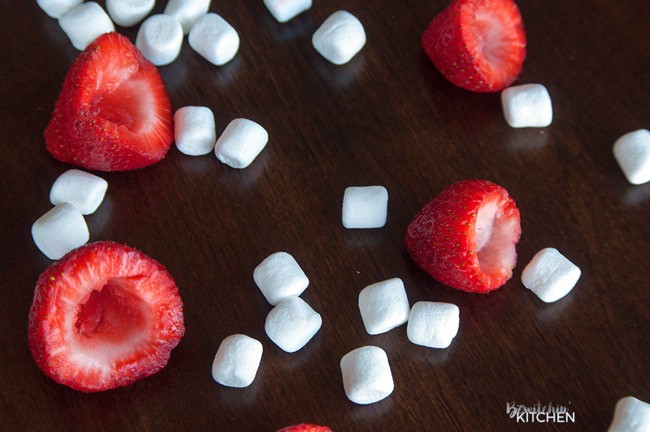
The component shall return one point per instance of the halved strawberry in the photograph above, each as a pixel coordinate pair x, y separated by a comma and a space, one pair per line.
304, 427
113, 113
466, 236
104, 316
479, 45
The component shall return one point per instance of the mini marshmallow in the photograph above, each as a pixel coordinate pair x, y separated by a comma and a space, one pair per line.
128, 13
60, 230
214, 39
82, 189
187, 12
279, 276
365, 207
284, 10
292, 323
366, 375
340, 37
194, 131
632, 152
631, 415
383, 306
237, 361
84, 23
433, 324
550, 275
160, 38
56, 8
240, 143
527, 105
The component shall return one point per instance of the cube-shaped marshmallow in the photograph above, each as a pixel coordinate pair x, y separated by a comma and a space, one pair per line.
630, 415
194, 130
187, 12
433, 324
527, 105
365, 207
237, 361
60, 230
550, 275
292, 323
367, 377
383, 306
214, 39
160, 38
56, 8
82, 189
339, 38
240, 143
127, 13
284, 10
632, 152
279, 276
84, 23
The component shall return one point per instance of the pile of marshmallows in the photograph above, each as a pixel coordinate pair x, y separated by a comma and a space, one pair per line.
160, 37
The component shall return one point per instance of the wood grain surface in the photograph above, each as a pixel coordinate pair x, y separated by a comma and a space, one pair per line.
386, 118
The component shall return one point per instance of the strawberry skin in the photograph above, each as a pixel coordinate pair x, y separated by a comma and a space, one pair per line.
103, 316
113, 113
466, 236
479, 45
304, 427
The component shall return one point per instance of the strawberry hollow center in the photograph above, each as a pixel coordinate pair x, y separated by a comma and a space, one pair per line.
112, 314
496, 237
127, 105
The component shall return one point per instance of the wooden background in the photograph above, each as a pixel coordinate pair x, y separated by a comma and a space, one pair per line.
387, 118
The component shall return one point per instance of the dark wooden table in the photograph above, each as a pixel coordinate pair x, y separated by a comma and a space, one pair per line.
388, 118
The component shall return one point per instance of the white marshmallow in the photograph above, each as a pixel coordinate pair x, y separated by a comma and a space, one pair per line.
433, 324
632, 152
292, 323
340, 37
527, 105
240, 143
128, 13
60, 230
84, 23
365, 207
550, 275
56, 8
194, 131
160, 38
187, 12
631, 415
214, 39
82, 189
284, 10
237, 361
383, 306
366, 375
279, 276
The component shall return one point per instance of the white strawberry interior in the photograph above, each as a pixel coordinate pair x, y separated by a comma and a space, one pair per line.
496, 237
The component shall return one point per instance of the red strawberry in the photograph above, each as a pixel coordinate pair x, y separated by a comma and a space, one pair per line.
466, 236
104, 316
304, 427
113, 113
479, 45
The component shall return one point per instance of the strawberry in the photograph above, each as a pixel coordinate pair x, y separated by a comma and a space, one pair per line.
104, 316
466, 236
304, 427
113, 113
479, 45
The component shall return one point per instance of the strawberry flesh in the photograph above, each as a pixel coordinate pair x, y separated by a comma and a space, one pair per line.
104, 316
305, 427
466, 236
479, 45
113, 112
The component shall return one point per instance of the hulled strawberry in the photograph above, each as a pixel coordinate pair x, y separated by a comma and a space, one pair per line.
466, 236
113, 113
304, 427
104, 315
479, 45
